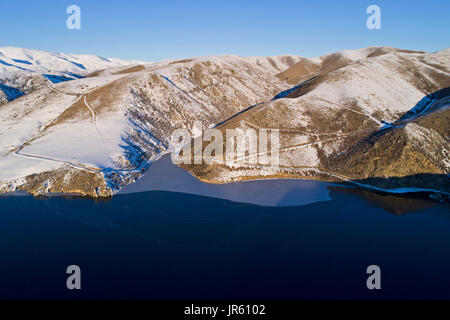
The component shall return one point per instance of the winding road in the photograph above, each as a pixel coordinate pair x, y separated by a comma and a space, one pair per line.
17, 152
81, 96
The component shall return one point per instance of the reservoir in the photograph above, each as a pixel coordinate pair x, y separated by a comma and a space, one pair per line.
172, 237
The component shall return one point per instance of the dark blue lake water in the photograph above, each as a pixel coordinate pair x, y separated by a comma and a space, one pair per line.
166, 245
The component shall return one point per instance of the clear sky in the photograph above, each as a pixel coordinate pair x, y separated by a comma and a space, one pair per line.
155, 30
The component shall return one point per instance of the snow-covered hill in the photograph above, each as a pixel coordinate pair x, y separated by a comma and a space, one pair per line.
96, 134
25, 70
336, 111
15, 59
307, 68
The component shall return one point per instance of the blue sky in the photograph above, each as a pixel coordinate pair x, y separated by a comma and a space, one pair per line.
155, 30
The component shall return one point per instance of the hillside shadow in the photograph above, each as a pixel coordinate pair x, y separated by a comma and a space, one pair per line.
425, 105
412, 193
395, 204
426, 182
10, 92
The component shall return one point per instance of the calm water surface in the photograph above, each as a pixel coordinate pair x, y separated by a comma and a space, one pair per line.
303, 240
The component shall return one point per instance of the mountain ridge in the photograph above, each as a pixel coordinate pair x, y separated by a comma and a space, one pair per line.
97, 134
